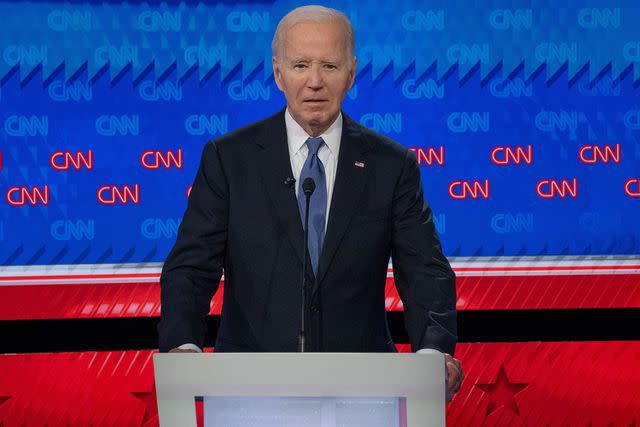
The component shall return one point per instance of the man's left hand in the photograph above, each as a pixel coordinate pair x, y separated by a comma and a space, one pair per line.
454, 375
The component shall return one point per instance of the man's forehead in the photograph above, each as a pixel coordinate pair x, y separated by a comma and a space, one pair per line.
306, 48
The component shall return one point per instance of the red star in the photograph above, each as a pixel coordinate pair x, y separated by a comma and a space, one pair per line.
150, 405
502, 392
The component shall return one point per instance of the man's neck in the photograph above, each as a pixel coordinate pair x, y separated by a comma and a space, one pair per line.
315, 131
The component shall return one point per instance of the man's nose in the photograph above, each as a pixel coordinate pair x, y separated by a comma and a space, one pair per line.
314, 80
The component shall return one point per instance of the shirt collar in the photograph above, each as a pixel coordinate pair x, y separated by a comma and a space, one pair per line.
297, 137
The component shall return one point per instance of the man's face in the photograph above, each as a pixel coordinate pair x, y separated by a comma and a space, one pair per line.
314, 72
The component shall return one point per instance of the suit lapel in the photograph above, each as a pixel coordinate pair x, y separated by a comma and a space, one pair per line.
275, 169
349, 183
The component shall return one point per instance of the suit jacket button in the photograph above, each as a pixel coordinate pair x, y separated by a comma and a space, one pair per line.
315, 308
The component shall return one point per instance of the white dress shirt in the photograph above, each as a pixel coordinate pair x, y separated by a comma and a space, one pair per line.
328, 152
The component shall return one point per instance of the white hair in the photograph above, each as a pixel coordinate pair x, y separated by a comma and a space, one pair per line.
313, 13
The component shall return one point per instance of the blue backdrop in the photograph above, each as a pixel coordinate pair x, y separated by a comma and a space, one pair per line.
549, 87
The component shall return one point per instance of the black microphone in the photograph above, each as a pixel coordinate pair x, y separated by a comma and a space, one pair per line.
289, 181
308, 187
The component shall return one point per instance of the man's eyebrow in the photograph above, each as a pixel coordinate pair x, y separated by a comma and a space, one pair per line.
323, 61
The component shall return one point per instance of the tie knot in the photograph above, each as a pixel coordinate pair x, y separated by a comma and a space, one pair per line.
314, 145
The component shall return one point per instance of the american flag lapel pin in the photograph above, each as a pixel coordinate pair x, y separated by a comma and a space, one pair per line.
359, 164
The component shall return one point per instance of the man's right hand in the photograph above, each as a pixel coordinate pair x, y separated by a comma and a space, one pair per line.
182, 350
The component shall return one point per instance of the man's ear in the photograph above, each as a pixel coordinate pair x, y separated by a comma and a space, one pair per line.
352, 73
277, 73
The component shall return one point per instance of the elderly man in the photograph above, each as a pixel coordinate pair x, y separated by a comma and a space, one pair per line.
246, 216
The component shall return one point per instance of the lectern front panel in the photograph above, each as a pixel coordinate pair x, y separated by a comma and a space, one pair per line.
297, 411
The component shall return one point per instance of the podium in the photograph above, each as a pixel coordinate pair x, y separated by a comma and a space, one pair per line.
301, 389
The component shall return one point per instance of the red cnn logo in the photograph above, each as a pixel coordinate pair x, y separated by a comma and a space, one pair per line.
65, 160
154, 159
189, 190
111, 194
460, 190
551, 188
503, 155
19, 196
429, 156
592, 154
627, 187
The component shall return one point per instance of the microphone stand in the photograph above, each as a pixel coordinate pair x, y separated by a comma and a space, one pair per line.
308, 186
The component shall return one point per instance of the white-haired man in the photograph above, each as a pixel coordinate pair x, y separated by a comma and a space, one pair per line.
247, 208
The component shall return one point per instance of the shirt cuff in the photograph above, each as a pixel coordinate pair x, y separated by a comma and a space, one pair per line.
190, 346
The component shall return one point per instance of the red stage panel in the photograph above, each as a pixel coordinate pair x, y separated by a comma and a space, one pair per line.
507, 384
539, 292
135, 299
88, 300
548, 292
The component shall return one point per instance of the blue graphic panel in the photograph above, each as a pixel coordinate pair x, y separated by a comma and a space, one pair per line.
524, 117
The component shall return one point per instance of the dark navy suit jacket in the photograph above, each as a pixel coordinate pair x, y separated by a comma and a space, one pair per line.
243, 219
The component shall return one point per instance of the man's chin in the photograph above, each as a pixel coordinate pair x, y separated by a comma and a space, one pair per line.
318, 118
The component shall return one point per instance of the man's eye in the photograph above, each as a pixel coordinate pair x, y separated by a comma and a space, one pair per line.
299, 66
330, 66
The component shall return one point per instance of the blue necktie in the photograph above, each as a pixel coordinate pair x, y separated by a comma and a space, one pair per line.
314, 169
